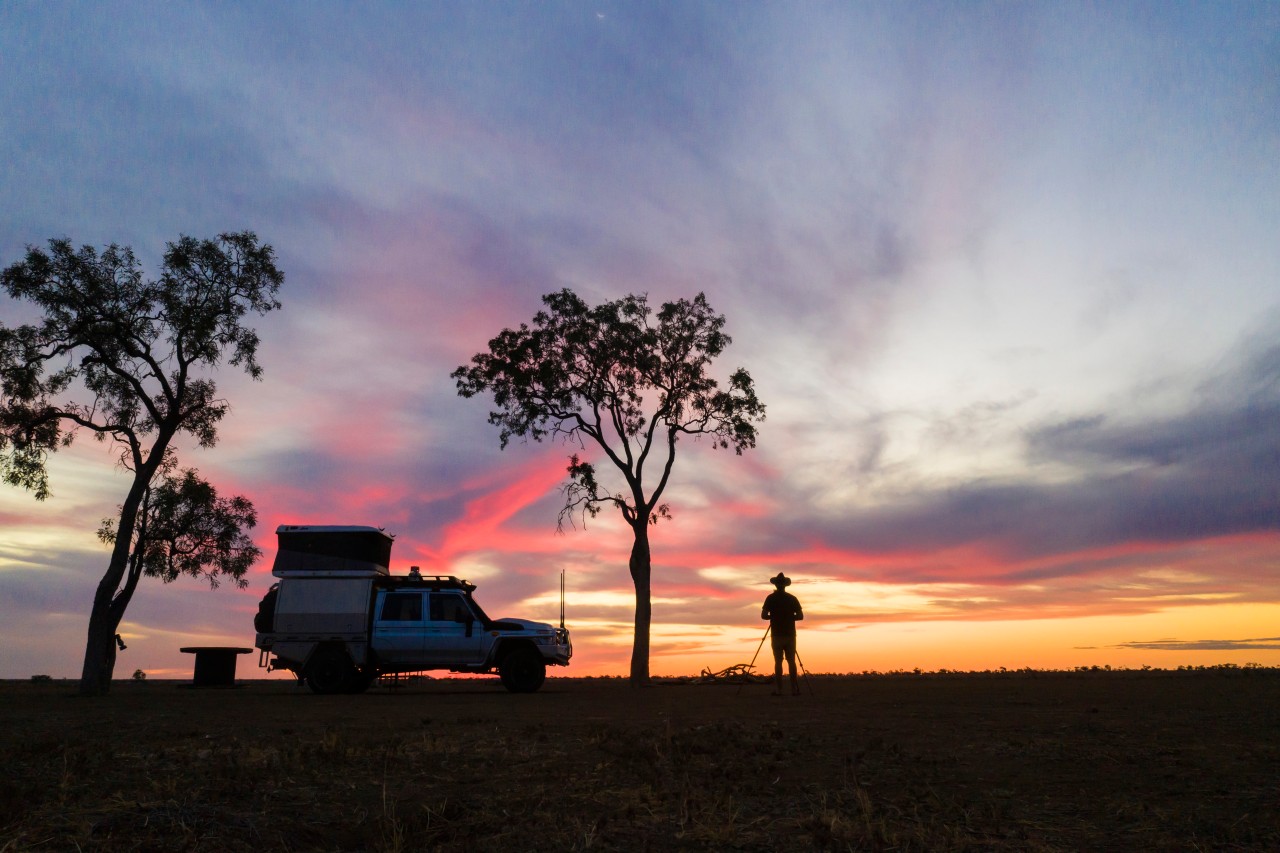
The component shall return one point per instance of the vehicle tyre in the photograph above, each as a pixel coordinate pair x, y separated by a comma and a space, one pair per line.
265, 620
361, 680
330, 671
522, 671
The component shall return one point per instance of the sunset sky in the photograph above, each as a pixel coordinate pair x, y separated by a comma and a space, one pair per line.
1007, 277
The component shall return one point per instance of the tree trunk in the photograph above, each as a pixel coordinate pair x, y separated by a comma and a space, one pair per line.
640, 575
100, 650
104, 619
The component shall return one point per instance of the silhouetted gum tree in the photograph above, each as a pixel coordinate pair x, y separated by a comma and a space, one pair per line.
184, 528
631, 382
124, 357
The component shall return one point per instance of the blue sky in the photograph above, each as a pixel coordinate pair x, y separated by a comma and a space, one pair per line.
1005, 276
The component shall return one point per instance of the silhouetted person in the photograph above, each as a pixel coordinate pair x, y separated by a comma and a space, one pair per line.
782, 609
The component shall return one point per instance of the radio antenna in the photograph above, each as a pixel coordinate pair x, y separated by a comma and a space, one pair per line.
562, 599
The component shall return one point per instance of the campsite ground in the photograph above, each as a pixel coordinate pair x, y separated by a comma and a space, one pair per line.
1000, 761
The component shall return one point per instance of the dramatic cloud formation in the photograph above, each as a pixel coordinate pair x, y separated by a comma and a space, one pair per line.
1004, 276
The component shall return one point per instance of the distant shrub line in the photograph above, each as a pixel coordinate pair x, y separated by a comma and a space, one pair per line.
1224, 668
1220, 668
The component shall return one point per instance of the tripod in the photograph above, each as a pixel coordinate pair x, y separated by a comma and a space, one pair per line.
804, 672
752, 665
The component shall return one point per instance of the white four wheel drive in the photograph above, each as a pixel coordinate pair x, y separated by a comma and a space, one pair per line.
338, 619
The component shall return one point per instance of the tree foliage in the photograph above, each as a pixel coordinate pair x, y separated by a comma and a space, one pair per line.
628, 381
131, 346
185, 528
129, 359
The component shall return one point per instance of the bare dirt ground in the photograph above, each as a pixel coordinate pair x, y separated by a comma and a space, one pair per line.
1019, 761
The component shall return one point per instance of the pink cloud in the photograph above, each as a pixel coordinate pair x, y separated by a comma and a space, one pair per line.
481, 527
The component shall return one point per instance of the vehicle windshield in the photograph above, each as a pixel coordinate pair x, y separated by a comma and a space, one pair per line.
480, 614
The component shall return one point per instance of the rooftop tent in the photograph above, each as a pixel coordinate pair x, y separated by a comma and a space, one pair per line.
331, 550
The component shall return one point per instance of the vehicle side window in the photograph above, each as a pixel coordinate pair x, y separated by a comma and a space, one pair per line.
449, 608
402, 607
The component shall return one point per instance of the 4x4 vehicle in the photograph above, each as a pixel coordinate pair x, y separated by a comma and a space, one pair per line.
338, 619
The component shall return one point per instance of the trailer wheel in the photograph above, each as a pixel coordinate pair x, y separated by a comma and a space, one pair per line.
330, 671
522, 671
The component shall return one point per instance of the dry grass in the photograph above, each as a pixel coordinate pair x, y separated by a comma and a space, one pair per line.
1176, 761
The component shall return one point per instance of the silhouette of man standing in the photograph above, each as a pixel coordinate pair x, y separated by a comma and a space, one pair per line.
782, 609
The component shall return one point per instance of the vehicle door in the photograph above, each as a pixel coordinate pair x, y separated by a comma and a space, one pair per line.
454, 635
399, 626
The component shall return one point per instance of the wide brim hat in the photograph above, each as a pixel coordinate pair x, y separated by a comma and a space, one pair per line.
780, 580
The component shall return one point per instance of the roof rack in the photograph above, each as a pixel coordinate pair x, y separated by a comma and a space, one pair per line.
435, 581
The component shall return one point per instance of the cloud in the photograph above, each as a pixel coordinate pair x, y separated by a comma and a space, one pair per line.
1169, 645
1132, 526
1091, 483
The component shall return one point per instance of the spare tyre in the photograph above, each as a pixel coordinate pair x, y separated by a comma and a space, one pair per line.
265, 620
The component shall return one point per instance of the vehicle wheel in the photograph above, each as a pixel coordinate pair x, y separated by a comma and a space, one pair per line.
361, 680
330, 672
522, 671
